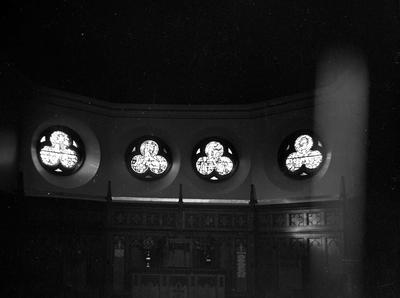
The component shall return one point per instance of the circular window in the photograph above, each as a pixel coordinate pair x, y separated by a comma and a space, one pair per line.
60, 150
148, 158
301, 155
214, 159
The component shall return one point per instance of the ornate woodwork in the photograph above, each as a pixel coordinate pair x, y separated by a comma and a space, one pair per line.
165, 250
289, 243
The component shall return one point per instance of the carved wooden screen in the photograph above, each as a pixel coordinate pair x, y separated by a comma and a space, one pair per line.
203, 251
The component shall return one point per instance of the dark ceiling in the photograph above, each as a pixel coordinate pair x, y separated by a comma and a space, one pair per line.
190, 52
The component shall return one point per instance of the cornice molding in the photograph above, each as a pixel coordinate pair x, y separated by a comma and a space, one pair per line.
188, 201
162, 111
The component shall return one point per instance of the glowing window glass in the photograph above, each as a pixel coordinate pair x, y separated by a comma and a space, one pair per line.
148, 158
60, 150
301, 155
214, 159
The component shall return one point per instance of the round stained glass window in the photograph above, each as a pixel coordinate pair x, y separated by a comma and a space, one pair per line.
301, 155
148, 158
214, 159
60, 150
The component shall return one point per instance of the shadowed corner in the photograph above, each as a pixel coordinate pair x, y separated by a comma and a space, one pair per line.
341, 115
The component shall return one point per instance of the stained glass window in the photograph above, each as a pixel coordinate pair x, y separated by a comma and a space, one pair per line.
214, 159
60, 150
148, 158
301, 155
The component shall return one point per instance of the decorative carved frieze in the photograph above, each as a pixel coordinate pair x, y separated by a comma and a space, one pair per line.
192, 220
215, 221
150, 219
119, 218
136, 219
209, 220
308, 219
225, 220
265, 220
297, 220
315, 218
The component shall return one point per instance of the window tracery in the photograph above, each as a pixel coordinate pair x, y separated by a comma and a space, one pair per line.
148, 158
60, 150
301, 155
214, 159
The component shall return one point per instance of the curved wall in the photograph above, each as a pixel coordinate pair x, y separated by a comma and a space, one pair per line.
256, 132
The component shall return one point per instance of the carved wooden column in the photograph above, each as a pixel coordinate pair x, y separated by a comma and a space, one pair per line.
252, 245
351, 244
108, 286
21, 212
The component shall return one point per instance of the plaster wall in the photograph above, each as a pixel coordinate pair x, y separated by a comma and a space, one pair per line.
256, 132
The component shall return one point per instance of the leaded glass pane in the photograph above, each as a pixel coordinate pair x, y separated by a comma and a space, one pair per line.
149, 160
214, 159
301, 155
311, 159
58, 151
152, 160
